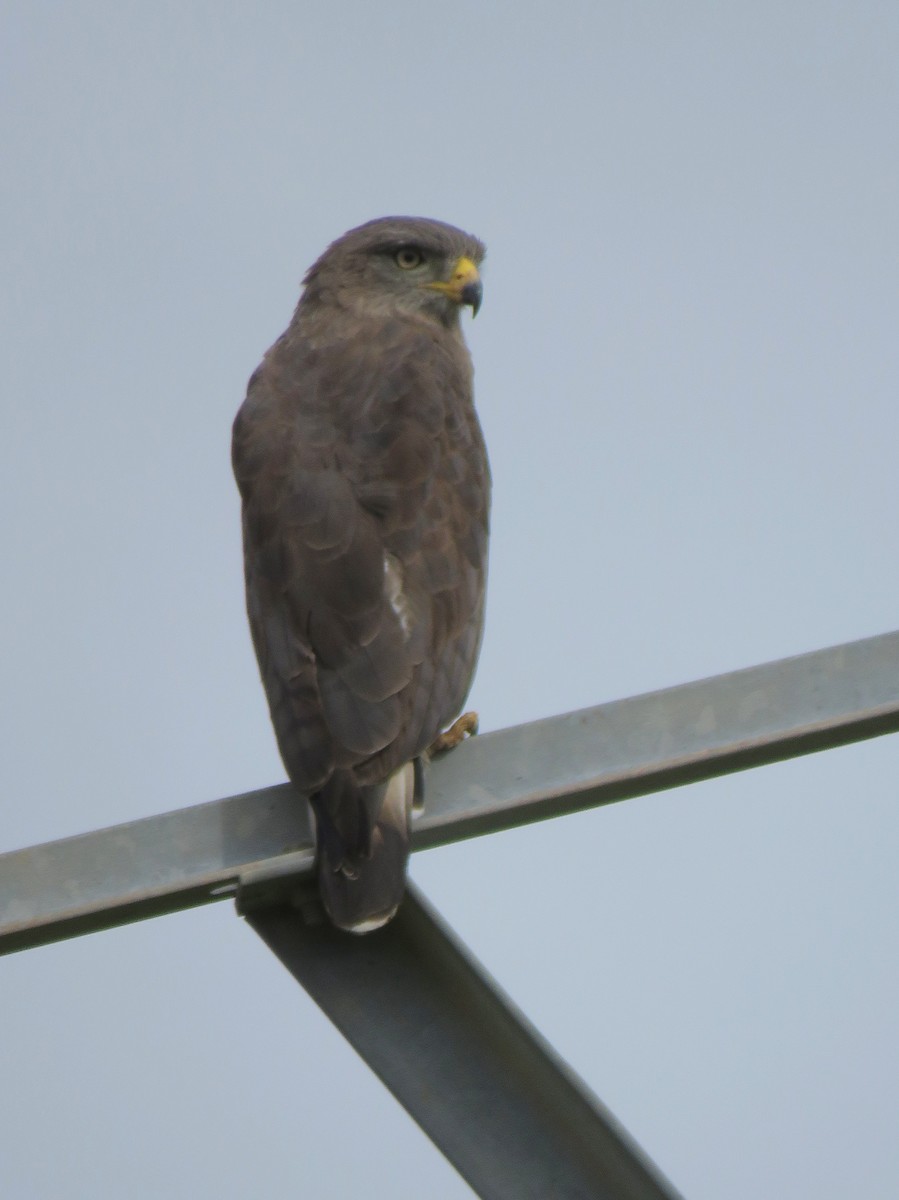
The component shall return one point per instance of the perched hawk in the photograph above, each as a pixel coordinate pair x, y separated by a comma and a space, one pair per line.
365, 488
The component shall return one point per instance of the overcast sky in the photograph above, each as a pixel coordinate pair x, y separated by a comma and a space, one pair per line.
686, 366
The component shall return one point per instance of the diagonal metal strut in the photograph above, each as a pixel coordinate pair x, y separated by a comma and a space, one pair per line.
511, 1117
498, 780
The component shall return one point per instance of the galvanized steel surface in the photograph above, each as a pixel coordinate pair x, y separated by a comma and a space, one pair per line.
479, 1080
498, 780
512, 1118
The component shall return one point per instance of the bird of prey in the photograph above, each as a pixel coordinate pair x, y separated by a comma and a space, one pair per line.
365, 487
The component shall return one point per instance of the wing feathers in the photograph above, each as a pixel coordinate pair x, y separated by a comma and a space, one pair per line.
365, 490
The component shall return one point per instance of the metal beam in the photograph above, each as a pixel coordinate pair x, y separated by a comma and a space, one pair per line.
511, 1117
495, 781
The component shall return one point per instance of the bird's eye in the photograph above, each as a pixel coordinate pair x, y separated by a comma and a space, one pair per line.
407, 257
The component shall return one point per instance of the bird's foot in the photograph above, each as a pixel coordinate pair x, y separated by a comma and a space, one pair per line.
465, 726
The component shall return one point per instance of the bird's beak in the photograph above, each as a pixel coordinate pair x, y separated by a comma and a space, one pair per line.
464, 285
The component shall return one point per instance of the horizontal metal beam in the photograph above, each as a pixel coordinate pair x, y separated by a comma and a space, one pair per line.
511, 1117
495, 781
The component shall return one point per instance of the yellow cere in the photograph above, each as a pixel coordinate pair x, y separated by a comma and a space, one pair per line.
464, 273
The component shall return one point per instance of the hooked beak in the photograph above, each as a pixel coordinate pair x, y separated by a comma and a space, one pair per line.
464, 285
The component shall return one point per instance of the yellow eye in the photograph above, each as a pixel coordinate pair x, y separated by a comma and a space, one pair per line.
407, 257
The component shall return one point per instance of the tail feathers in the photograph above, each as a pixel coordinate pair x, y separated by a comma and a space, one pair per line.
362, 885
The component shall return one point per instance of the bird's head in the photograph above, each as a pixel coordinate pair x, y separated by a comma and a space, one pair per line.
399, 266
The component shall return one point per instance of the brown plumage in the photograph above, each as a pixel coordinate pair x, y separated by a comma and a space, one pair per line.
365, 490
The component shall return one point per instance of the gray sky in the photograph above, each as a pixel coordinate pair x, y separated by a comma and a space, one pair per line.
687, 367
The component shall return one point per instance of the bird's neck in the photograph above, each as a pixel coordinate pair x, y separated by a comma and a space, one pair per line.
322, 319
